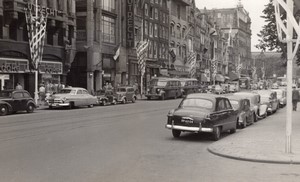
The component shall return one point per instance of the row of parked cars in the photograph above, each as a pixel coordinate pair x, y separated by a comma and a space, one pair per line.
12, 101
212, 113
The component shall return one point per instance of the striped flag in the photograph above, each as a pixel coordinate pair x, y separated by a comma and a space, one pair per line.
141, 51
193, 64
238, 68
36, 27
214, 67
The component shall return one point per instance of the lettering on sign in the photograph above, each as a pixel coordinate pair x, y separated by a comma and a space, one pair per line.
44, 10
50, 67
130, 23
13, 66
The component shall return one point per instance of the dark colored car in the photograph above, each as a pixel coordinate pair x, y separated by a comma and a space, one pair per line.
106, 97
12, 101
164, 88
202, 112
125, 94
269, 98
246, 116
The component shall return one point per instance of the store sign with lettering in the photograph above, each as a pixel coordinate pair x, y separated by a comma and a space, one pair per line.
50, 67
130, 23
44, 10
13, 66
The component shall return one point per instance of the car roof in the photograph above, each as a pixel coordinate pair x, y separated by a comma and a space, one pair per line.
204, 96
236, 97
166, 79
74, 88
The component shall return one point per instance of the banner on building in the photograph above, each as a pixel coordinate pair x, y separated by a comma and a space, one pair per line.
141, 51
36, 26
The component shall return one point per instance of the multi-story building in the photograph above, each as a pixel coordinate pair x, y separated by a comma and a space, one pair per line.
150, 21
59, 45
181, 35
235, 22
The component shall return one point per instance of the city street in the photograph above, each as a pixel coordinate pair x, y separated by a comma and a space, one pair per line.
118, 143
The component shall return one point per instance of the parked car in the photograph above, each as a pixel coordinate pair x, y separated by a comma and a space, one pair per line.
125, 94
246, 116
259, 109
12, 101
163, 88
106, 97
269, 98
281, 96
217, 89
72, 97
202, 112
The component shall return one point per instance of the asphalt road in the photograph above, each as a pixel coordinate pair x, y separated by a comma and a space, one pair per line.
117, 143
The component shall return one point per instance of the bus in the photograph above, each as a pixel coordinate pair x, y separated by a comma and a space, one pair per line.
244, 83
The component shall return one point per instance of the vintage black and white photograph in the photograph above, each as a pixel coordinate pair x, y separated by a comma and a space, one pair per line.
149, 90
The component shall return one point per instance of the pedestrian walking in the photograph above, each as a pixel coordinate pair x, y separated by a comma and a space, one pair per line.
19, 87
295, 98
42, 94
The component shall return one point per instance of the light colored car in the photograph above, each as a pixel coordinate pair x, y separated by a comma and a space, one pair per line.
269, 98
125, 94
281, 96
259, 109
72, 97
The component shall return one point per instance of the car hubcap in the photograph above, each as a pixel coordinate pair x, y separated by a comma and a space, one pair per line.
3, 109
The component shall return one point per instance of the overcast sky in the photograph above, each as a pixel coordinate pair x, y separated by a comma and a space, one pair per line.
254, 7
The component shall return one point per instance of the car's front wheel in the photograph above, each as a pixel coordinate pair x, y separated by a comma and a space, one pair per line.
176, 133
216, 133
30, 108
3, 110
124, 101
133, 100
91, 105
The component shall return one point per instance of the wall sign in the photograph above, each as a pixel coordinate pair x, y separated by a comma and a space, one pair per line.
130, 23
50, 67
8, 65
44, 10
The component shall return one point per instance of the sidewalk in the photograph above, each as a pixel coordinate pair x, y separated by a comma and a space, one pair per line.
264, 141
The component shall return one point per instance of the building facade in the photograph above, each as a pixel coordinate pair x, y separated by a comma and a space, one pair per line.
59, 48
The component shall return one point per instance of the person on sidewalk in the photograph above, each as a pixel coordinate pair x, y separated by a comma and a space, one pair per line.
295, 98
19, 86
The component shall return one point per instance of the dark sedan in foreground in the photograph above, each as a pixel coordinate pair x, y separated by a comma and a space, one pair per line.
12, 101
202, 113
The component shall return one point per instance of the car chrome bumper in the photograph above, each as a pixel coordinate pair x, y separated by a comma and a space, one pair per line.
186, 128
59, 104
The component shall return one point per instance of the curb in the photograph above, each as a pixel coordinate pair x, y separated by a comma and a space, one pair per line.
253, 160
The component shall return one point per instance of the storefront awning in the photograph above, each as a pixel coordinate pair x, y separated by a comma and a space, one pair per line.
220, 78
233, 76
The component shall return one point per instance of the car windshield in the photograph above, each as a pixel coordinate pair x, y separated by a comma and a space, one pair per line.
234, 103
5, 94
197, 102
121, 90
67, 91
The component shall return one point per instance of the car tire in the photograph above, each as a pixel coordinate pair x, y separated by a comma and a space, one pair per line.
254, 118
50, 107
176, 133
71, 106
3, 110
175, 97
104, 103
133, 100
124, 101
148, 98
232, 130
30, 108
91, 105
114, 102
216, 133
244, 124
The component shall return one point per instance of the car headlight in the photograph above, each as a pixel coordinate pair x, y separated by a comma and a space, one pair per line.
158, 90
171, 112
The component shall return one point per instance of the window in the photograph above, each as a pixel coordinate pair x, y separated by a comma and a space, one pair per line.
178, 11
108, 29
154, 50
150, 30
163, 17
228, 105
183, 32
26, 95
146, 28
156, 13
172, 30
150, 49
79, 92
178, 32
18, 95
201, 103
151, 12
155, 30
221, 105
109, 5
146, 10
85, 92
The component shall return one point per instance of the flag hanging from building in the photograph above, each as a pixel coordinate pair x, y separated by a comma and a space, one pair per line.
117, 54
214, 67
36, 26
253, 71
141, 51
192, 62
239, 67
263, 71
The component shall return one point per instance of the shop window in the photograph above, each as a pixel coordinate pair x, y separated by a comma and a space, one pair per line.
108, 29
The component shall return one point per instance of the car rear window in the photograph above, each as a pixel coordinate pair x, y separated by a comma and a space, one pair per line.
5, 94
197, 102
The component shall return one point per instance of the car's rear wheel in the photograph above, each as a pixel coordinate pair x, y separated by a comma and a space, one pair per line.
244, 124
71, 105
176, 133
254, 117
148, 98
3, 110
217, 133
124, 101
104, 102
133, 100
91, 105
162, 97
114, 102
30, 108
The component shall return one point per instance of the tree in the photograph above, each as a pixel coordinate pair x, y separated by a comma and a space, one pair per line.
269, 37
